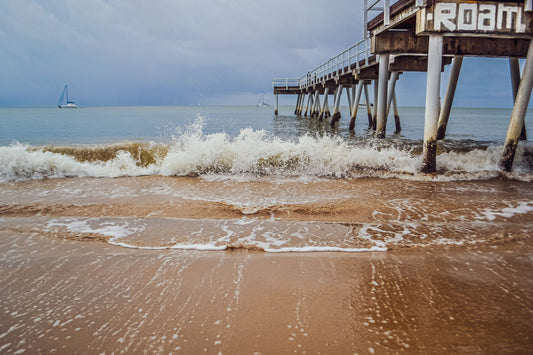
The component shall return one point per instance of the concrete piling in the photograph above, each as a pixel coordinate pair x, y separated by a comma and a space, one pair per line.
396, 114
324, 104
336, 109
368, 106
432, 112
382, 95
514, 66
448, 99
297, 104
309, 103
519, 112
355, 106
374, 111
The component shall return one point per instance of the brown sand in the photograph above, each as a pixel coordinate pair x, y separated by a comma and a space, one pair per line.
72, 297
75, 294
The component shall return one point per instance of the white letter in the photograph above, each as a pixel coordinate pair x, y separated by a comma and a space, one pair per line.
445, 14
486, 19
467, 17
508, 11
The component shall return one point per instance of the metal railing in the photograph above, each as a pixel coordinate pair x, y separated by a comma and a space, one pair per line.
351, 58
285, 82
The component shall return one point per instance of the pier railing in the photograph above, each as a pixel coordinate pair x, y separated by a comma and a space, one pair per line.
285, 83
351, 58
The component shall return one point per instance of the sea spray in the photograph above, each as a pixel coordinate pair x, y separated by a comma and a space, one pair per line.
190, 152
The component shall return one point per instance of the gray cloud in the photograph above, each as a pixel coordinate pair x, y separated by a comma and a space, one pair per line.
127, 52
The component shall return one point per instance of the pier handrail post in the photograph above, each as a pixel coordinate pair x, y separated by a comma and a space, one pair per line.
432, 103
382, 95
448, 99
519, 112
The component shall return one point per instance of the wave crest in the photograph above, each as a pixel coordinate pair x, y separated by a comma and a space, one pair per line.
252, 152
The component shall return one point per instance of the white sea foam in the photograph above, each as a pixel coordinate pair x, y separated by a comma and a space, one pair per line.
507, 212
254, 152
113, 229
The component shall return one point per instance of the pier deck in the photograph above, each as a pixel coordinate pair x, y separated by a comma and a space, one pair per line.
421, 35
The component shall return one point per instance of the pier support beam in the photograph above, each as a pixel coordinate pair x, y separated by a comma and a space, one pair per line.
336, 109
277, 106
316, 107
514, 66
368, 105
392, 89
396, 115
324, 104
349, 97
382, 95
519, 112
355, 106
450, 94
309, 103
432, 104
297, 104
375, 112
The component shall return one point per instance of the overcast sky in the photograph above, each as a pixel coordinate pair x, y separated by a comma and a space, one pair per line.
192, 52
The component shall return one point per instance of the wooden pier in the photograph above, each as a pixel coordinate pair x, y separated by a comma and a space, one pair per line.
421, 35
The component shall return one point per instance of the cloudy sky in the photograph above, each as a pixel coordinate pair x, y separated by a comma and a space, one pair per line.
191, 52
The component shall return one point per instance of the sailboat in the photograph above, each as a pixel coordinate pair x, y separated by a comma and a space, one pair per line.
261, 102
64, 96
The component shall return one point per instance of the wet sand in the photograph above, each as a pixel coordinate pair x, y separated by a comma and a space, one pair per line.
67, 295
75, 297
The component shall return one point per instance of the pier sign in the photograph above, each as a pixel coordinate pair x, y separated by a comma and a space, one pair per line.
480, 17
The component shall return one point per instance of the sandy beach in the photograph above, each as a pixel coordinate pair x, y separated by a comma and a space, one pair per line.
69, 290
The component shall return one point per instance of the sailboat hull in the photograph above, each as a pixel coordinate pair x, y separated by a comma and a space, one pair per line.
69, 105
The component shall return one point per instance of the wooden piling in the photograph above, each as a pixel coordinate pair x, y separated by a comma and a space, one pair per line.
519, 112
277, 106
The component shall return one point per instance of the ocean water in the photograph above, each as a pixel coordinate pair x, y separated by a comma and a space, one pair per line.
230, 177
172, 140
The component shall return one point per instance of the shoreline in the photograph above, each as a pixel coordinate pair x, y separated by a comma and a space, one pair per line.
92, 297
64, 288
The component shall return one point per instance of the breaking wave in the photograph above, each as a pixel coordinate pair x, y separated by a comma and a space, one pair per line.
252, 153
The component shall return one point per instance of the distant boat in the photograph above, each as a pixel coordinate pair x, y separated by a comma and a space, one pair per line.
262, 103
68, 104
